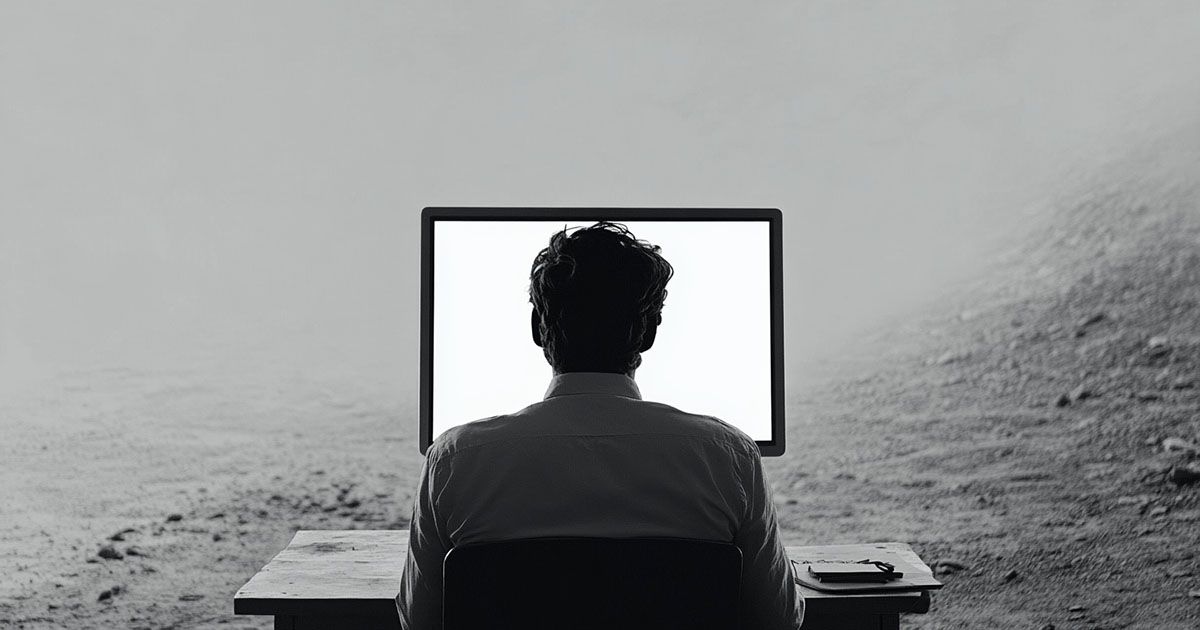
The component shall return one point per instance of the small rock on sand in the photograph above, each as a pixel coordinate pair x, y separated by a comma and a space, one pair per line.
1194, 593
1011, 575
135, 551
1184, 475
174, 518
1077, 608
948, 357
947, 566
1062, 400
119, 536
1173, 444
109, 593
109, 552
1080, 393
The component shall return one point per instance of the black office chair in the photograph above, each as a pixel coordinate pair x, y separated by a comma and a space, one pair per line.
592, 583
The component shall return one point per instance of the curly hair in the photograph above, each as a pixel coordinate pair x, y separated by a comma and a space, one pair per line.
599, 291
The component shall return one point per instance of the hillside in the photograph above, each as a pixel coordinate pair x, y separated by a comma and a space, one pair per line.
1035, 432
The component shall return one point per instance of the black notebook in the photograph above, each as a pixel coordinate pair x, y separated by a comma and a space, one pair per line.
854, 572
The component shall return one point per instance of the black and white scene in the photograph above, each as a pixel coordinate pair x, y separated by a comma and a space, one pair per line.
450, 315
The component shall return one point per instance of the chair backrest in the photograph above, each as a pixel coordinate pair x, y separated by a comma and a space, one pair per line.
592, 583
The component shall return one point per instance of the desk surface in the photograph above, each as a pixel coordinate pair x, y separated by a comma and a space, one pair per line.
357, 572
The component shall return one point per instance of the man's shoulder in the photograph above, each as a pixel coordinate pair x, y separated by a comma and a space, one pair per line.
701, 426
470, 434
634, 418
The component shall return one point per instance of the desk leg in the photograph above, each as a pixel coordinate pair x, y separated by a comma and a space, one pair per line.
341, 622
884, 621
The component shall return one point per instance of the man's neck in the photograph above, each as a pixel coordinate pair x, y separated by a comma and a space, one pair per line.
630, 374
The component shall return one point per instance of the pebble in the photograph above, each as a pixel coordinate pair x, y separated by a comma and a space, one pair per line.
948, 566
1174, 444
217, 515
1157, 341
353, 503
135, 551
109, 593
1184, 475
1062, 400
217, 536
109, 552
1077, 608
174, 518
1081, 393
119, 536
1011, 575
948, 357
1194, 593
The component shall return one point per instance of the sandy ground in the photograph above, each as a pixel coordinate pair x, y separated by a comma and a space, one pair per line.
1028, 435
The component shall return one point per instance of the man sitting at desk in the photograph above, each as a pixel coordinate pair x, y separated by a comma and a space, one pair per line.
593, 459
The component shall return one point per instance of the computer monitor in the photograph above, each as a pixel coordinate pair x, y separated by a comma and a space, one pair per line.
718, 352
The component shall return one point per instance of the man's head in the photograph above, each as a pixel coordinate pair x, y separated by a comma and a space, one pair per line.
597, 296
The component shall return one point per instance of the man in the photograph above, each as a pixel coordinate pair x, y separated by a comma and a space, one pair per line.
593, 458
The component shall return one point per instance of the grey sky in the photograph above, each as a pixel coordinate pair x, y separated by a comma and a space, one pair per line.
183, 178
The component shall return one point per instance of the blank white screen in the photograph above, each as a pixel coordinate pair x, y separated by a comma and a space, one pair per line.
712, 355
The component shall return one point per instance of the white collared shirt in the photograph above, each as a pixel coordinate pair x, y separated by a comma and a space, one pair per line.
594, 459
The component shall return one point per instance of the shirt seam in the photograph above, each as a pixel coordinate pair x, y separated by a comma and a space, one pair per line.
728, 444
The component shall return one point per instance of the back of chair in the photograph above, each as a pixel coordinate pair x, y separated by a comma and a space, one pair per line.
592, 583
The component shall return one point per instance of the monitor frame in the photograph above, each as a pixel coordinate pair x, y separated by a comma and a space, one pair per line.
774, 218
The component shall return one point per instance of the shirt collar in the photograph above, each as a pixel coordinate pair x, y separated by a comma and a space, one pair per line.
593, 383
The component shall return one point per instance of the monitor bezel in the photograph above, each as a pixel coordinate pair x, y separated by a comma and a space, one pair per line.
768, 448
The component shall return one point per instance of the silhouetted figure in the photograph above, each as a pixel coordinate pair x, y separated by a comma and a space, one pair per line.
593, 458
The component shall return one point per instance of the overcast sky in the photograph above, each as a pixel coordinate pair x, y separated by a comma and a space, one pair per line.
228, 178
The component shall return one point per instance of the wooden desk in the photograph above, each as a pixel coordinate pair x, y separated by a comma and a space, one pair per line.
342, 580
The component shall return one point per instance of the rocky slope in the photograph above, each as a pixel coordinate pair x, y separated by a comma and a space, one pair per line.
1035, 436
